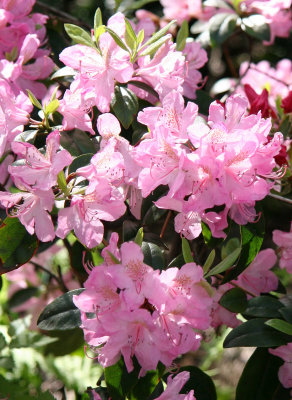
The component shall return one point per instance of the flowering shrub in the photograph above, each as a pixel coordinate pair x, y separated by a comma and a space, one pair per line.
140, 215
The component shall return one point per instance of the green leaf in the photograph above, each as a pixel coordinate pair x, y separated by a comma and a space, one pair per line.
34, 100
52, 107
255, 333
114, 378
152, 49
144, 86
140, 37
153, 255
186, 251
124, 105
135, 5
65, 71
30, 339
259, 380
225, 264
264, 307
3, 343
286, 313
252, 236
65, 342
182, 36
200, 382
79, 162
97, 23
21, 296
177, 262
203, 100
221, 27
78, 143
117, 39
280, 325
113, 257
17, 246
62, 182
139, 237
61, 314
229, 247
130, 36
158, 35
234, 300
255, 25
129, 230
79, 35
209, 261
145, 386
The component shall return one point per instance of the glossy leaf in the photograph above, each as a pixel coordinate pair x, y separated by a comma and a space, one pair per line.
222, 25
79, 162
124, 105
280, 325
264, 307
255, 25
61, 314
153, 255
255, 333
234, 300
259, 380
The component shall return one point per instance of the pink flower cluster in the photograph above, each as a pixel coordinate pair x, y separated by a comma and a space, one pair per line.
284, 241
97, 72
228, 162
285, 371
137, 311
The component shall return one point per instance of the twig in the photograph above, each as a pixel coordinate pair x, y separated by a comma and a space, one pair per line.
52, 275
61, 14
284, 199
165, 224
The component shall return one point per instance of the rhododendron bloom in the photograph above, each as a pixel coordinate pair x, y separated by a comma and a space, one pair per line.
181, 10
174, 386
40, 171
285, 371
284, 241
140, 311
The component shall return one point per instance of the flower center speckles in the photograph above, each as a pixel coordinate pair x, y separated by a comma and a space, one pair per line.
183, 283
217, 136
172, 119
136, 269
238, 158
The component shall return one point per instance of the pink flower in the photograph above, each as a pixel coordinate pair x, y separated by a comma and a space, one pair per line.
181, 10
174, 386
284, 241
139, 311
32, 210
98, 71
285, 371
257, 277
40, 171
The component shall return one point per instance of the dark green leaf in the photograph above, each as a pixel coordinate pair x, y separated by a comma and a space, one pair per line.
21, 296
129, 230
61, 314
78, 143
256, 25
144, 86
182, 36
225, 264
229, 247
203, 100
153, 215
201, 383
135, 5
177, 262
259, 380
186, 251
255, 333
153, 255
65, 342
286, 313
234, 300
280, 325
17, 246
264, 307
221, 27
79, 35
115, 382
252, 236
3, 343
124, 105
145, 386
79, 162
